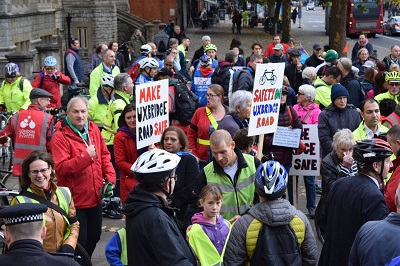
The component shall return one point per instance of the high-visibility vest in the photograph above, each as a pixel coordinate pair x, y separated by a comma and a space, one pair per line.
122, 237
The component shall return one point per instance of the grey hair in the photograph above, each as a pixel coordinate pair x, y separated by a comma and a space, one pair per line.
121, 81
308, 91
346, 63
309, 73
177, 27
75, 99
343, 137
230, 56
172, 41
239, 99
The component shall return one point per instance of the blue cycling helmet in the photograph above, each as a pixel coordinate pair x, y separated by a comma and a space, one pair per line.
205, 60
11, 70
50, 61
271, 180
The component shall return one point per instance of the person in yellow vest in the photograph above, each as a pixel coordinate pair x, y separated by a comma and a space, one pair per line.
273, 232
210, 231
38, 186
116, 250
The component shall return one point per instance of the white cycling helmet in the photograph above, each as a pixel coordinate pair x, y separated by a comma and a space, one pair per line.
153, 167
50, 61
145, 49
108, 80
148, 62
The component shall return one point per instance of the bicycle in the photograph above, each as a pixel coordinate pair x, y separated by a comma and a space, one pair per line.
273, 78
6, 150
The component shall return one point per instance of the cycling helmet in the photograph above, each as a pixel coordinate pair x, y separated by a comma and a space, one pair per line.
108, 80
11, 70
372, 150
205, 60
210, 47
50, 61
153, 167
271, 180
148, 62
392, 76
145, 49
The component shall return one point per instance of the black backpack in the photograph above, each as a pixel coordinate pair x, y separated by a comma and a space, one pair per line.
161, 47
235, 80
185, 105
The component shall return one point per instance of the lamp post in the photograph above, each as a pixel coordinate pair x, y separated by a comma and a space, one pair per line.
69, 18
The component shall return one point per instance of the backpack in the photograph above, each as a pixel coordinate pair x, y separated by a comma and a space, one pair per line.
186, 104
276, 245
361, 93
20, 85
161, 47
235, 81
134, 72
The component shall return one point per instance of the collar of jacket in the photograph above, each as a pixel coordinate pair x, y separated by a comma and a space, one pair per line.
240, 158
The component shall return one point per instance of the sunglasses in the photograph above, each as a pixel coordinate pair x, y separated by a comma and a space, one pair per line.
11, 76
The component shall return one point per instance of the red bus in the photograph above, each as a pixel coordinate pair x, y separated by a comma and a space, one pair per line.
363, 16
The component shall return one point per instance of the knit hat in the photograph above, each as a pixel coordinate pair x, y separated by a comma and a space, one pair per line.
331, 55
337, 91
205, 38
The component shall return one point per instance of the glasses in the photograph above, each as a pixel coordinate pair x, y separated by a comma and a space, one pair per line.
43, 171
12, 76
209, 95
173, 175
300, 93
394, 84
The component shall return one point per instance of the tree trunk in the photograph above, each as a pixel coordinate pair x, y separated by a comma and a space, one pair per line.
286, 27
337, 26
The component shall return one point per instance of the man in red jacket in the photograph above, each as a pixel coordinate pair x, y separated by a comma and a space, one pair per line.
82, 163
30, 129
49, 79
393, 137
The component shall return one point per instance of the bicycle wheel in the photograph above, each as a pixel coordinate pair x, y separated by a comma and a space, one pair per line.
274, 79
263, 79
81, 256
9, 181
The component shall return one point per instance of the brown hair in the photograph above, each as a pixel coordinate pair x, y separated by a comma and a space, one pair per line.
34, 156
213, 189
183, 141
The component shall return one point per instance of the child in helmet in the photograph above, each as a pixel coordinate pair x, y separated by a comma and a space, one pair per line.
49, 79
210, 231
202, 79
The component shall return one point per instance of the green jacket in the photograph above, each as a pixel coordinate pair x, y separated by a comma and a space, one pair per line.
98, 106
113, 113
386, 95
323, 95
95, 78
12, 96
361, 134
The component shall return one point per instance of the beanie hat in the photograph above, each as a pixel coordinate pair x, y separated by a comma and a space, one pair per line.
337, 91
331, 55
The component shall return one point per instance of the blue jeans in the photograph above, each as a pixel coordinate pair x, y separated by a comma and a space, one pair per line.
309, 183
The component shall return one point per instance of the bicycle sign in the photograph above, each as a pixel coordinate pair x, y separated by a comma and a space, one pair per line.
268, 75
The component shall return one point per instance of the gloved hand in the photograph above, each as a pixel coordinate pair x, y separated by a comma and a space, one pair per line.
67, 249
3, 107
56, 76
106, 190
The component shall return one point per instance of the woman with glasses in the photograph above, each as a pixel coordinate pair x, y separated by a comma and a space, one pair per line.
14, 90
362, 57
174, 140
205, 121
49, 79
38, 183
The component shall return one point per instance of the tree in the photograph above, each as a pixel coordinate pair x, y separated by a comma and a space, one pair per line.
286, 22
337, 22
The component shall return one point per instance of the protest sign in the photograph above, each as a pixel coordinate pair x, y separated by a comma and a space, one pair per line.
267, 93
307, 163
287, 137
151, 112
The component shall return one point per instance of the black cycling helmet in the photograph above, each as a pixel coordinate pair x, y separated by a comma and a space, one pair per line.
366, 152
271, 180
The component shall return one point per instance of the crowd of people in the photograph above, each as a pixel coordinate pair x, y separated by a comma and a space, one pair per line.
202, 195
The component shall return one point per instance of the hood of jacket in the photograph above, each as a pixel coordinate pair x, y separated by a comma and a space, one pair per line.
199, 218
139, 200
309, 107
223, 63
274, 212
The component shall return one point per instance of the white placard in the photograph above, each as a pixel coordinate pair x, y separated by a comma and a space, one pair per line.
287, 137
308, 163
267, 93
152, 114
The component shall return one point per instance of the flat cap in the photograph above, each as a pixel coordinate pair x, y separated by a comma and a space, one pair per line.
39, 93
23, 213
295, 52
278, 47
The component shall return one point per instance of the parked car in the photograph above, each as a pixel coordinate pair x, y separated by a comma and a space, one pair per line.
392, 25
310, 6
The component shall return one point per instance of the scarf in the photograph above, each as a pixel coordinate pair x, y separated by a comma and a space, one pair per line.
84, 135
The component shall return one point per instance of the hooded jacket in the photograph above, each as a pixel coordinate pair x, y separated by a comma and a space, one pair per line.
153, 237
222, 75
272, 213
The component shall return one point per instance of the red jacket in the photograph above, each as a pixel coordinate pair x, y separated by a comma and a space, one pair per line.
125, 153
52, 86
270, 49
391, 187
199, 129
27, 137
75, 169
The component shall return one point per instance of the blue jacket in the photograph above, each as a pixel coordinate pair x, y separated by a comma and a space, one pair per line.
200, 85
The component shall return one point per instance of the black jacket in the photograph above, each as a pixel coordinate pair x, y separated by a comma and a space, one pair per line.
352, 202
222, 76
313, 61
295, 77
353, 86
153, 237
29, 252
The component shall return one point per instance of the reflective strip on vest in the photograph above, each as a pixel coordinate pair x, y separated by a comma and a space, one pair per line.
204, 248
239, 198
203, 141
393, 119
122, 237
64, 200
42, 136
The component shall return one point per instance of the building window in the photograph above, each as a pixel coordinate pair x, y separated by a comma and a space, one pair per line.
83, 37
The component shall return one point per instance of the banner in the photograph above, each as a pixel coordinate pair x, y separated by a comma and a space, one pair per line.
307, 163
152, 114
267, 92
